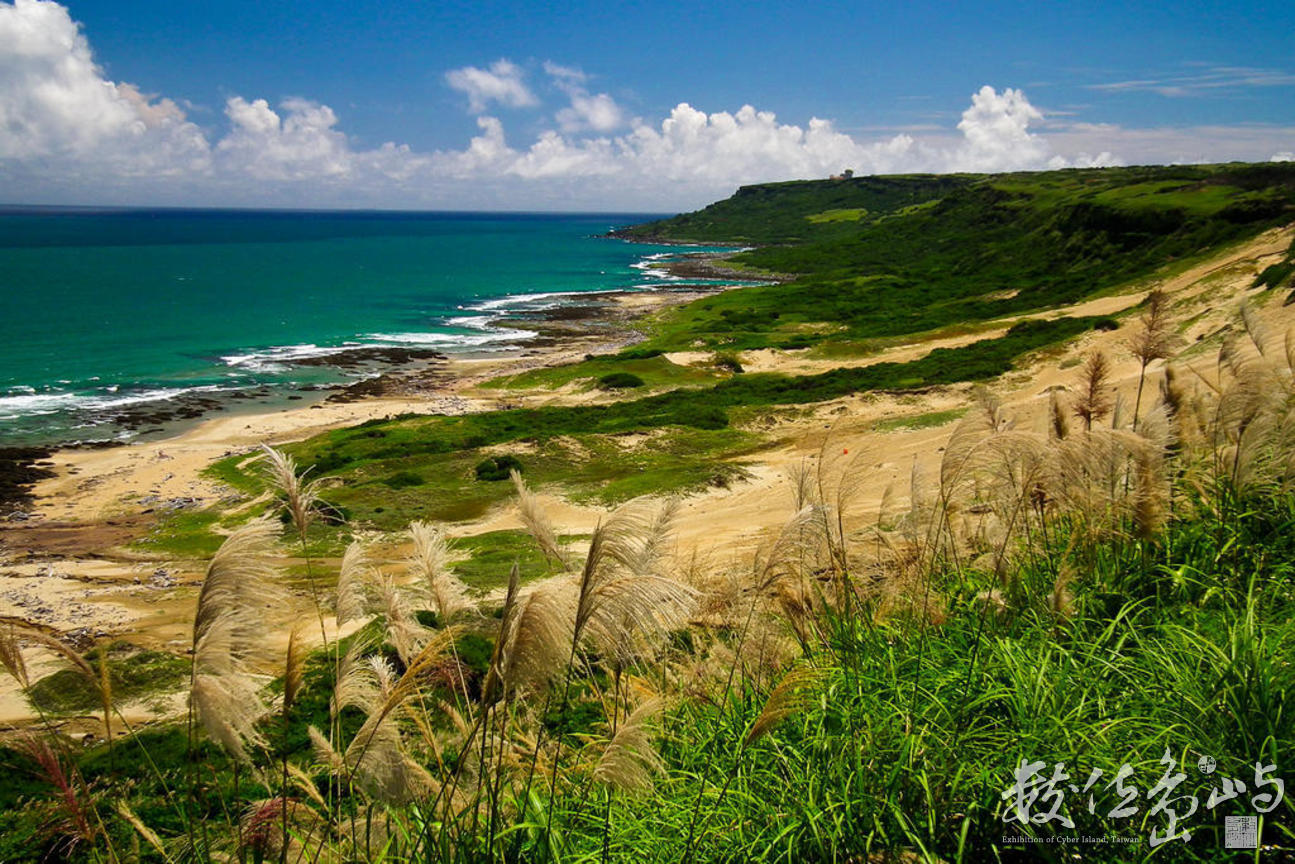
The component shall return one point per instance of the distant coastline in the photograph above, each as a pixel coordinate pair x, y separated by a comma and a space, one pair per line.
555, 329
128, 324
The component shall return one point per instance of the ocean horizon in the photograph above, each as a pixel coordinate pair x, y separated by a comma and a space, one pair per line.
104, 310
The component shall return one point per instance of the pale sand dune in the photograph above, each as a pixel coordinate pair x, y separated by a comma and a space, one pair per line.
113, 593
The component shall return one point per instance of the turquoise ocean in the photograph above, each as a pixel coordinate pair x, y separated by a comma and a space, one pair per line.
103, 311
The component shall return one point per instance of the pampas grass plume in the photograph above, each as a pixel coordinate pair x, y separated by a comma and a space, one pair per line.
537, 521
629, 762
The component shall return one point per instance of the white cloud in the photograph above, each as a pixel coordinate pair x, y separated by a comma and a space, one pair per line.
1284, 156
1216, 78
486, 154
996, 129
302, 144
596, 113
1172, 144
68, 135
501, 83
56, 108
570, 74
711, 153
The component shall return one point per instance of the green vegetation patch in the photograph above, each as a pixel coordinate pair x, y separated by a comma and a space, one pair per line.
841, 214
619, 381
779, 212
229, 472
185, 533
589, 466
919, 421
653, 369
133, 672
498, 468
404, 480
490, 558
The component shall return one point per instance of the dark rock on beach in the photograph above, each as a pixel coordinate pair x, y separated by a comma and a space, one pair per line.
20, 469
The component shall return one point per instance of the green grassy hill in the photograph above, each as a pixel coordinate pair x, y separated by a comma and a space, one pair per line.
800, 210
888, 256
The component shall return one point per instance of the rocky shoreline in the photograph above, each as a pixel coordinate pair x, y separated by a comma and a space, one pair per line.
21, 468
598, 322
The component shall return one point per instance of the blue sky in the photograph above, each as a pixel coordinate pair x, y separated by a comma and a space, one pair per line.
522, 106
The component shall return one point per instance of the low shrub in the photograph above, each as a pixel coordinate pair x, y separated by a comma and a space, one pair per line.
404, 480
498, 467
619, 381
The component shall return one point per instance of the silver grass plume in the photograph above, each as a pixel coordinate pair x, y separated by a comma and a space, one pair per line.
629, 762
802, 483
11, 656
238, 592
376, 757
1094, 400
239, 587
304, 783
383, 674
632, 615
792, 694
1061, 600
620, 601
919, 498
643, 555
301, 498
1117, 413
294, 668
495, 683
1153, 341
537, 522
775, 562
536, 642
404, 632
355, 582
148, 834
1254, 328
262, 829
1059, 419
430, 563
357, 685
1152, 487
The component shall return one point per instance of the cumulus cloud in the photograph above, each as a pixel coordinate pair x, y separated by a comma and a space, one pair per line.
996, 129
1284, 156
486, 154
301, 144
587, 112
69, 135
56, 108
599, 113
716, 151
501, 83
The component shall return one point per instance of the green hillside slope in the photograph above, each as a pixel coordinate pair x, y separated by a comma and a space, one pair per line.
894, 255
